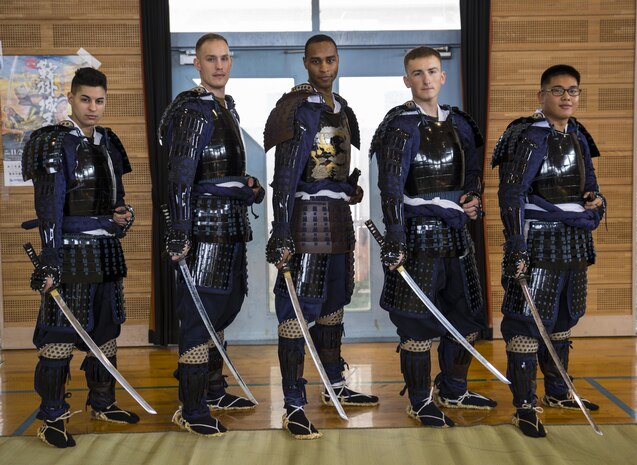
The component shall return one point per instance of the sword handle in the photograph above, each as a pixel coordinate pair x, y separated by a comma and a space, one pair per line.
375, 232
166, 212
28, 248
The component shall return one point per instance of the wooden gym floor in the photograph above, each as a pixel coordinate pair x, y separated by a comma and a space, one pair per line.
605, 371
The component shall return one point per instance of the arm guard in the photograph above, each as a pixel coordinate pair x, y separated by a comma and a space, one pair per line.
186, 135
389, 158
283, 185
42, 161
511, 191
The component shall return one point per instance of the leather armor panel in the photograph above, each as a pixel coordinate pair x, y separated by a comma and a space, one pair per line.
321, 226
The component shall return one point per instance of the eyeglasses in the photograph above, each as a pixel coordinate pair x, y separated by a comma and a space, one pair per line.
559, 91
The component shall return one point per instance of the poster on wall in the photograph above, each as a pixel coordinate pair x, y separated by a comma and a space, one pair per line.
32, 94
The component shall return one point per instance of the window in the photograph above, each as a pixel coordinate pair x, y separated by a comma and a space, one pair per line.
240, 15
397, 15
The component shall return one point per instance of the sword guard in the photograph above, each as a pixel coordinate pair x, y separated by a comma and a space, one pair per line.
286, 268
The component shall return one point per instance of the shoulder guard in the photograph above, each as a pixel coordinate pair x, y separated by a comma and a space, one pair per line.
174, 107
42, 153
351, 119
587, 135
230, 103
112, 138
389, 117
280, 124
505, 147
477, 135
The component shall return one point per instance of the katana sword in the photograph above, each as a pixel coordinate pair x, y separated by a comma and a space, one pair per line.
549, 345
94, 348
310, 343
196, 298
435, 312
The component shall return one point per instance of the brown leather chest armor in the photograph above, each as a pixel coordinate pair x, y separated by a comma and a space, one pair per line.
439, 164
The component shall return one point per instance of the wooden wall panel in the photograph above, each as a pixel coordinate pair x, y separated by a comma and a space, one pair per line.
598, 38
552, 9
57, 27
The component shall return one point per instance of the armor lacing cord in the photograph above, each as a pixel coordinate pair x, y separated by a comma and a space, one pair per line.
66, 415
295, 421
46, 425
531, 407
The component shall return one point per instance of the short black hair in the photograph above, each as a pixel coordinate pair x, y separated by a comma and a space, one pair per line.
88, 77
421, 52
319, 38
559, 70
208, 37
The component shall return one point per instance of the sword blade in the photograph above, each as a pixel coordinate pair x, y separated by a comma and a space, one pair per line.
435, 312
95, 350
190, 284
448, 326
310, 344
549, 345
